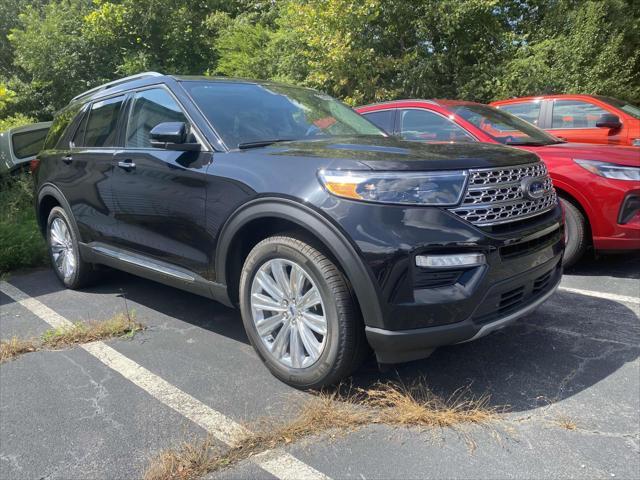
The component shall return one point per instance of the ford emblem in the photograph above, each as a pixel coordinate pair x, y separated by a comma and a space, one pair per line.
532, 188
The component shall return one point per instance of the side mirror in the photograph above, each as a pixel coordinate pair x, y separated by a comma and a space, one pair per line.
172, 136
608, 120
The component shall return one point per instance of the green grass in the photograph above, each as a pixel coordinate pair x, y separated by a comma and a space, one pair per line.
21, 244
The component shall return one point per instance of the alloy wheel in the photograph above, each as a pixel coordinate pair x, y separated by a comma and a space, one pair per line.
62, 251
288, 313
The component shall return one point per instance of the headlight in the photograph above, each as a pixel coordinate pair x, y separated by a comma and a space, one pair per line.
610, 170
410, 188
635, 142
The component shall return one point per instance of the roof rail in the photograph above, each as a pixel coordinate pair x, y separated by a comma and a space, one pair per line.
117, 82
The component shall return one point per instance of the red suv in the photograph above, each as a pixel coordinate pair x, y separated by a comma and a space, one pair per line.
579, 118
598, 185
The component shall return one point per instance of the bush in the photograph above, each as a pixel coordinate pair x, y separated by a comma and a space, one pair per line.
21, 244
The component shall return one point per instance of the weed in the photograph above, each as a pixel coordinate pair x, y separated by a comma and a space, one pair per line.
566, 423
16, 346
120, 325
386, 403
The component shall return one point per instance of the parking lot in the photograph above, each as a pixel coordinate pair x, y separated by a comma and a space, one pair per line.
569, 375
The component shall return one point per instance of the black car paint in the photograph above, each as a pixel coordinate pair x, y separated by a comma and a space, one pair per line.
186, 208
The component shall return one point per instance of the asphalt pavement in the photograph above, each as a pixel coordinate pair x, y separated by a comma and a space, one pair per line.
102, 411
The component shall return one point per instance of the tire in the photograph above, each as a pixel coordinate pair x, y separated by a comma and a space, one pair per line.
342, 347
60, 231
575, 233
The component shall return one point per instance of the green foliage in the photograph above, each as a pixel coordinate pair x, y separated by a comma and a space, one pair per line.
21, 244
579, 47
16, 120
357, 50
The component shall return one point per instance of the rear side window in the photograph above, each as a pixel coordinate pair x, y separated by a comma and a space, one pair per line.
101, 126
527, 111
150, 108
28, 144
425, 126
62, 124
382, 119
575, 114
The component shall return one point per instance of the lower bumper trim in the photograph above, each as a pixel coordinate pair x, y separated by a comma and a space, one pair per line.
396, 346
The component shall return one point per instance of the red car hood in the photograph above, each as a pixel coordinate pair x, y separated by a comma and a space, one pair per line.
586, 151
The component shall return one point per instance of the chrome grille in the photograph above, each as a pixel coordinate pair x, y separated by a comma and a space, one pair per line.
497, 196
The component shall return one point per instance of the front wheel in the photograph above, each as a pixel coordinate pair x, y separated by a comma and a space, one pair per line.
299, 315
575, 228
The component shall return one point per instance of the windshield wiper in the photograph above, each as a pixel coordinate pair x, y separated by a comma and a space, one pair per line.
263, 143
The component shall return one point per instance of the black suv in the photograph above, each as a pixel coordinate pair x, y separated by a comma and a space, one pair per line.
328, 234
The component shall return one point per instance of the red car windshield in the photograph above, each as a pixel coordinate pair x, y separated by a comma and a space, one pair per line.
622, 105
502, 126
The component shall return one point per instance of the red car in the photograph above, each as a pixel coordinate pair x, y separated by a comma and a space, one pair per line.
579, 118
599, 186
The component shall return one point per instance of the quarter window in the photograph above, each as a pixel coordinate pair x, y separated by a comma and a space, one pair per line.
575, 114
425, 126
527, 111
150, 108
382, 119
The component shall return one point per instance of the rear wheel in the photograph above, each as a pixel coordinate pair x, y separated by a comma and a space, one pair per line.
62, 242
575, 229
299, 315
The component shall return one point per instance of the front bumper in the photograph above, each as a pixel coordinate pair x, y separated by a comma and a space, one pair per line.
625, 234
394, 346
423, 308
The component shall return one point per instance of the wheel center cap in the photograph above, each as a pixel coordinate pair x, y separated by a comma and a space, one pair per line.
293, 311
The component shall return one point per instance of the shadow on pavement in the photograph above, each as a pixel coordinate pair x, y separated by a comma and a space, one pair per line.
546, 357
569, 344
620, 265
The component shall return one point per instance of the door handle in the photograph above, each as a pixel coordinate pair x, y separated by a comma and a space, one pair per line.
127, 164
67, 159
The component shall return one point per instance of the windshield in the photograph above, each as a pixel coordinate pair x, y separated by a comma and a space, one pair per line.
503, 127
246, 114
622, 105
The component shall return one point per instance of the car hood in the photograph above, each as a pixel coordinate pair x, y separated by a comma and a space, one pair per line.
587, 151
388, 153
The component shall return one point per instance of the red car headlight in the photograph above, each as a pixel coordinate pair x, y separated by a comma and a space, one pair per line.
610, 170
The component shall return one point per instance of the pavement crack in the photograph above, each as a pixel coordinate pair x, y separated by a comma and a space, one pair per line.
101, 393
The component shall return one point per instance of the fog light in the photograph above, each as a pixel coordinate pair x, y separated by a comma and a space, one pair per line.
448, 261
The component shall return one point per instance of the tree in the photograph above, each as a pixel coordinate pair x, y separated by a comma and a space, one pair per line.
579, 47
358, 50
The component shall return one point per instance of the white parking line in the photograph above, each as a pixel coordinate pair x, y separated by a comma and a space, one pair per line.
278, 463
608, 296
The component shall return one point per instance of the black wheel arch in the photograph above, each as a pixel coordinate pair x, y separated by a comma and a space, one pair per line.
311, 221
50, 196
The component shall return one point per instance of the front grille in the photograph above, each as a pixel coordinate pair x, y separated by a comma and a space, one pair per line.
496, 196
530, 246
434, 279
541, 283
498, 304
510, 299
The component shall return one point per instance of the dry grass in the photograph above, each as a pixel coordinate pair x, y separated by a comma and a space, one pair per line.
120, 325
566, 423
16, 346
417, 405
188, 461
389, 403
